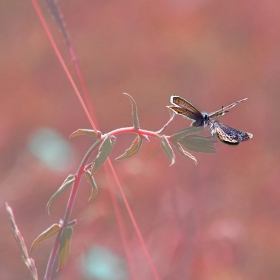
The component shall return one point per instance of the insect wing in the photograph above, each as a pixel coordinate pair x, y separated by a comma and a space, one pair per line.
230, 135
185, 108
224, 137
224, 110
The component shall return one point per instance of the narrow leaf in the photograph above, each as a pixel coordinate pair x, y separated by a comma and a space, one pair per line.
134, 112
44, 235
29, 262
91, 181
16, 232
185, 153
198, 143
68, 182
64, 247
89, 132
132, 150
103, 152
165, 145
184, 132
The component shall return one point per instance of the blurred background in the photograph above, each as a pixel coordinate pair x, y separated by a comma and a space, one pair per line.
217, 220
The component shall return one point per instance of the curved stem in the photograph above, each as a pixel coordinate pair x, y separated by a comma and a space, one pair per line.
74, 190
69, 208
133, 130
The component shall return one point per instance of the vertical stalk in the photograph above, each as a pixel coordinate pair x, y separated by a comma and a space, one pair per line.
69, 209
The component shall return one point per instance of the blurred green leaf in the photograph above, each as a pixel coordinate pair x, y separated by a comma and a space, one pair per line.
134, 112
64, 247
184, 132
165, 145
185, 153
133, 149
198, 143
104, 151
89, 132
91, 181
44, 235
68, 182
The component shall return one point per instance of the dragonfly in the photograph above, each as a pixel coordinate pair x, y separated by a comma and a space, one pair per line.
227, 134
186, 109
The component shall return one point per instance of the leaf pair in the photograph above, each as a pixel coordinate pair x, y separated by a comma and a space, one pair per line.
166, 147
106, 148
136, 144
64, 246
192, 141
104, 151
107, 144
68, 182
189, 139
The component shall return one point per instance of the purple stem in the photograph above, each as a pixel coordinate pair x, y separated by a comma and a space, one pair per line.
68, 211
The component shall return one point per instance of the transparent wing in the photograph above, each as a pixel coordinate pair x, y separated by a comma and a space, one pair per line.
224, 110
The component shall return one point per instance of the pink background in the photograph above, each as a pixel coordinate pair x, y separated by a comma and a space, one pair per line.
217, 220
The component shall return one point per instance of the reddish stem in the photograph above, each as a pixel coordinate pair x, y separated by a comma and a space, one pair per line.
69, 209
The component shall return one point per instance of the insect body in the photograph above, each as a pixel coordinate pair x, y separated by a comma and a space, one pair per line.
185, 108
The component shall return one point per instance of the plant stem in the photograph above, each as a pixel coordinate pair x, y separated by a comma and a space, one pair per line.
136, 131
69, 208
74, 189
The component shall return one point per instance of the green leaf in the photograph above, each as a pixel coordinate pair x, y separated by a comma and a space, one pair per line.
91, 181
103, 152
45, 235
132, 150
165, 145
64, 247
185, 153
89, 132
184, 132
198, 143
68, 182
134, 112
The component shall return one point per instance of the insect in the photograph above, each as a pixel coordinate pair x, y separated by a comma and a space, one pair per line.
185, 108
227, 134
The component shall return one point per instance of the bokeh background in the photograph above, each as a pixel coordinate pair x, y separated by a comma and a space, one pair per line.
217, 220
